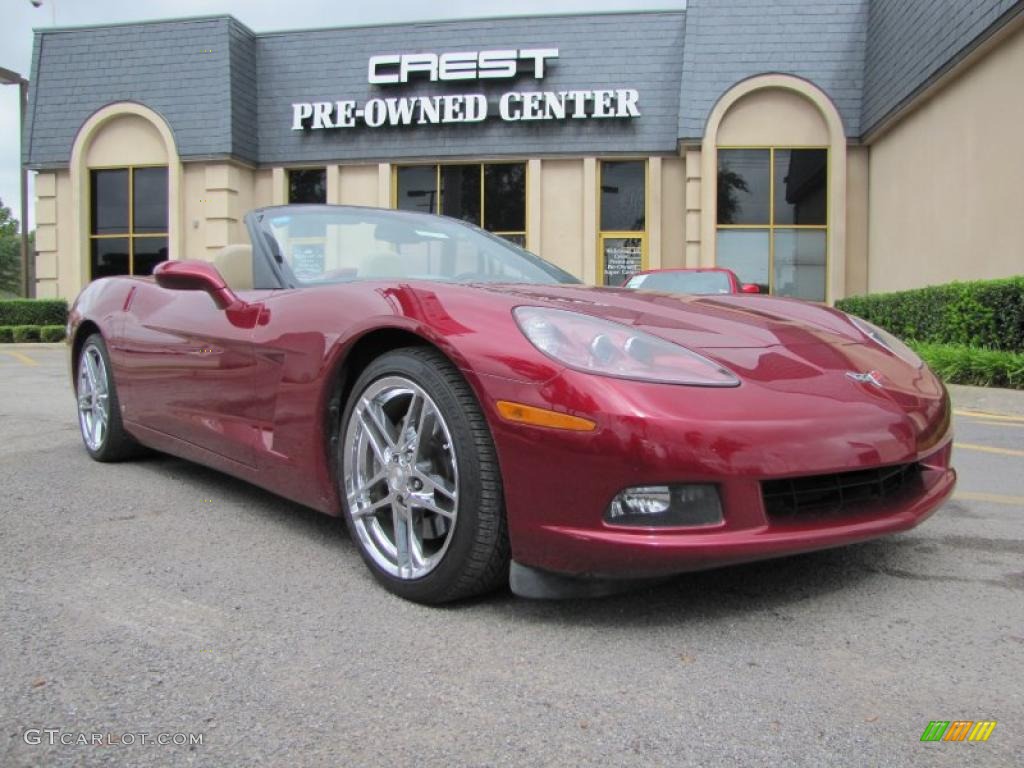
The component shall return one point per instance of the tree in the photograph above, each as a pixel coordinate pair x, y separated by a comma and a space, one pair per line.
10, 252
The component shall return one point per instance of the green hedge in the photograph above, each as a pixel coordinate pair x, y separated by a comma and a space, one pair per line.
52, 333
961, 364
986, 313
33, 312
23, 333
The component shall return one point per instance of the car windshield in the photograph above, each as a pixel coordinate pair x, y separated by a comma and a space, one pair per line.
330, 244
682, 282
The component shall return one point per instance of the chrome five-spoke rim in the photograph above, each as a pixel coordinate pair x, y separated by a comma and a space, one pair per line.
401, 477
93, 397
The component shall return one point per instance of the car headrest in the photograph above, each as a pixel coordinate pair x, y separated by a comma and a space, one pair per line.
234, 262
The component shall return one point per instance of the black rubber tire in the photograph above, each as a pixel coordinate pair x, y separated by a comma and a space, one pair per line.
117, 444
477, 560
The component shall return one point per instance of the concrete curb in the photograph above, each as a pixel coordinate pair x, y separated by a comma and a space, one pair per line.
35, 345
1009, 402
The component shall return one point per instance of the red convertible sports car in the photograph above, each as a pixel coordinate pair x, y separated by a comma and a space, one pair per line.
478, 416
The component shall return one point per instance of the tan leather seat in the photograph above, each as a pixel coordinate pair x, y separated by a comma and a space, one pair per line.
382, 264
234, 262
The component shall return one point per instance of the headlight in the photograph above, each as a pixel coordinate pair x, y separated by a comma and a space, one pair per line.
885, 339
602, 347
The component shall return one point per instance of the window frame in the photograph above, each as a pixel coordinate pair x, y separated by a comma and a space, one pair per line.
771, 226
438, 203
130, 235
634, 234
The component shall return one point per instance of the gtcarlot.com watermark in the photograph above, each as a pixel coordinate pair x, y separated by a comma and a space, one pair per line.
57, 737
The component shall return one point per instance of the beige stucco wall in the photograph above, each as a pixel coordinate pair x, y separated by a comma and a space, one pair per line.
673, 212
945, 187
561, 237
359, 185
53, 208
216, 197
857, 163
126, 140
772, 116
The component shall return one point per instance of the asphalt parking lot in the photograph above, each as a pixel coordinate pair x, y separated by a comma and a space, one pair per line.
159, 597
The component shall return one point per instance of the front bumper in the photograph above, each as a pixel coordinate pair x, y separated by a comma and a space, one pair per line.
559, 484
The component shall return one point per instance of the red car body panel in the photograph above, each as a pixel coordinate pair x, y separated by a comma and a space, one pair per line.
251, 396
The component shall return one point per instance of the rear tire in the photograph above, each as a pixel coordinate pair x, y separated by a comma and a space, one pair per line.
99, 411
420, 481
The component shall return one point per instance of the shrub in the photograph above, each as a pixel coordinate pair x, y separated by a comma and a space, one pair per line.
23, 333
6, 334
52, 333
33, 312
961, 364
985, 313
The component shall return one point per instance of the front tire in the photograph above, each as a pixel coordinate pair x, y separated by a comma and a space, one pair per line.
420, 480
99, 411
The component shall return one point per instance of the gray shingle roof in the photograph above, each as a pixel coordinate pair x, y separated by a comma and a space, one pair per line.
730, 40
910, 41
226, 92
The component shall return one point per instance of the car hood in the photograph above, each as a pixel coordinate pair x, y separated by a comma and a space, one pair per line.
780, 344
726, 321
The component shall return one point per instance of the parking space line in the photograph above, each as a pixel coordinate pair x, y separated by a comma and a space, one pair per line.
988, 449
995, 498
1000, 424
985, 415
21, 357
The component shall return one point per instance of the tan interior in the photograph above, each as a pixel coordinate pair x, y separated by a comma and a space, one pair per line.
234, 262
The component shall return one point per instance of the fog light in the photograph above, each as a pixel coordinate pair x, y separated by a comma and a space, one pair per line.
666, 505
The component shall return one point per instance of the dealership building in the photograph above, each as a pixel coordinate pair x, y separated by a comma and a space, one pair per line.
818, 148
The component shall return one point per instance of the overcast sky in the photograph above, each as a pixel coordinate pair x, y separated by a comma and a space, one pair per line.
20, 18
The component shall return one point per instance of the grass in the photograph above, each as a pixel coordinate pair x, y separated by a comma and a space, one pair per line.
962, 364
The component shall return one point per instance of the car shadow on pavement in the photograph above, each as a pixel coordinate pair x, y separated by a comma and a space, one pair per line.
772, 585
207, 481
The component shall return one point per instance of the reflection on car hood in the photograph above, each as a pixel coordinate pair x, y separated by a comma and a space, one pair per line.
699, 322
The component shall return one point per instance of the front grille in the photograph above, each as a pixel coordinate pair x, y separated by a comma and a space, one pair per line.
840, 492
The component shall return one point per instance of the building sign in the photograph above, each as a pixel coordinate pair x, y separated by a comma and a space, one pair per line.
511, 106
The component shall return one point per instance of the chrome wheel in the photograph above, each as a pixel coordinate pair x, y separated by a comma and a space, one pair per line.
401, 477
93, 397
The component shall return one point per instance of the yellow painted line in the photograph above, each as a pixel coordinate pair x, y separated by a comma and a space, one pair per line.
21, 357
1000, 424
988, 449
984, 415
995, 498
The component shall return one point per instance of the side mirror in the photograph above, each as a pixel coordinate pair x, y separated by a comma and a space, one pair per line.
750, 288
192, 275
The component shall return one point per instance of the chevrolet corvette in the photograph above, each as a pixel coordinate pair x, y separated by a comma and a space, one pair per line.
478, 417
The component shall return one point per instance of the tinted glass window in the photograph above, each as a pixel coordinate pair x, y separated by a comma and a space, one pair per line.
149, 251
800, 182
745, 252
460, 192
744, 186
623, 196
417, 188
345, 244
110, 214
505, 197
307, 185
109, 257
799, 263
683, 282
149, 192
